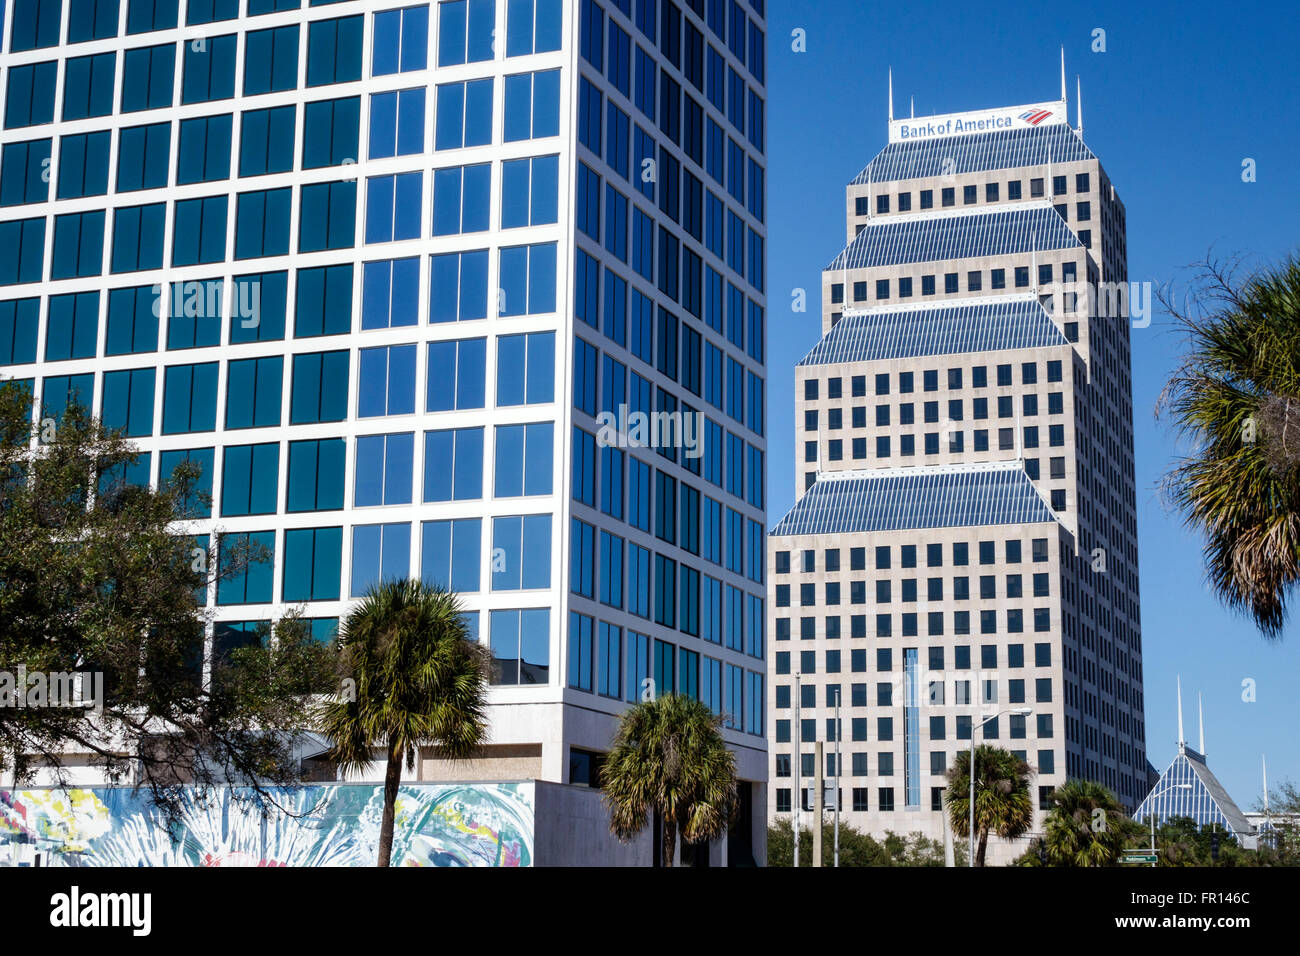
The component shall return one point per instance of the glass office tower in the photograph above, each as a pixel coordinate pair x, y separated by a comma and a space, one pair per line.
380, 268
962, 558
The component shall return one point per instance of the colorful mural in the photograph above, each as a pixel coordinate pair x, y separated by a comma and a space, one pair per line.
489, 824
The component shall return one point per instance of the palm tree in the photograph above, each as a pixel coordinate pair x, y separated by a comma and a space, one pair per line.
1236, 397
1002, 802
1086, 825
416, 679
668, 757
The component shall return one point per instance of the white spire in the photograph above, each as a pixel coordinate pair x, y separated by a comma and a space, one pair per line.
1263, 761
1200, 719
891, 94
1078, 103
1180, 714
1063, 95
913, 107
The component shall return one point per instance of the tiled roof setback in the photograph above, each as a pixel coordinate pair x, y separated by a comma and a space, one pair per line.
901, 499
980, 152
1008, 322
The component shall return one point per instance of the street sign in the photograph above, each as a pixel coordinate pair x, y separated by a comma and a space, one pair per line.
1139, 858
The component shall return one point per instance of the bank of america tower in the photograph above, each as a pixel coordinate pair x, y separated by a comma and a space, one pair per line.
378, 268
962, 554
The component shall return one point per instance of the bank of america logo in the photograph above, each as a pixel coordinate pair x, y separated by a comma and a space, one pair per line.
1034, 117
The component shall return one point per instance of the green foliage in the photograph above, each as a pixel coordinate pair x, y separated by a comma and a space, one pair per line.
1002, 801
669, 758
1236, 399
856, 848
98, 576
1086, 826
409, 677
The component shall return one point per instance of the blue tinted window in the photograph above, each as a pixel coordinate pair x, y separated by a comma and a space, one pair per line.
393, 207
132, 321
523, 460
386, 381
18, 325
527, 280
316, 475
458, 286
396, 123
88, 86
380, 552
246, 565
147, 80
189, 398
456, 375
271, 60
92, 20
453, 465
525, 544
526, 369
331, 132
29, 95
334, 51
464, 114
532, 108
198, 503
327, 218
143, 157
532, 26
24, 171
193, 311
199, 232
266, 141
83, 165
313, 564
450, 553
145, 16
401, 41
529, 192
466, 31
324, 301
257, 307
250, 479
138, 237
36, 24
390, 291
461, 199
209, 69
78, 245
127, 401
253, 389
385, 470
25, 241
320, 392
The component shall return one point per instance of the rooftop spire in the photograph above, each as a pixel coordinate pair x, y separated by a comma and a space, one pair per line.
1063, 94
1200, 719
1181, 741
891, 94
1078, 103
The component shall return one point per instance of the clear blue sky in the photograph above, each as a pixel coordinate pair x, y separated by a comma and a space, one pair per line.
1180, 97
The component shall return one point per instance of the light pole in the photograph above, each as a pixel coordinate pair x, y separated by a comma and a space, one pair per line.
798, 769
1152, 815
970, 768
838, 734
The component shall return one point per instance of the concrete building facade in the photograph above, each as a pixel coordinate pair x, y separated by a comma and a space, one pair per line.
963, 544
399, 276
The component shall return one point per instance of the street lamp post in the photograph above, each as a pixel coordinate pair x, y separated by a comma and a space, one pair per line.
970, 769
